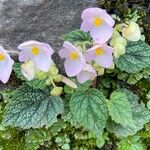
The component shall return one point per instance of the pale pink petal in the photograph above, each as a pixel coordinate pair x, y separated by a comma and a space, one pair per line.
70, 47
107, 48
42, 61
73, 67
90, 13
90, 53
6, 68
105, 60
28, 44
42, 46
101, 34
85, 26
86, 74
108, 19
64, 53
67, 49
25, 55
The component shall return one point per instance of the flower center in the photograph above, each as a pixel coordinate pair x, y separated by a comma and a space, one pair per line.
35, 51
97, 22
2, 57
99, 52
74, 55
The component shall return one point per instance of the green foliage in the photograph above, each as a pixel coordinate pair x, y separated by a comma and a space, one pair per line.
141, 116
134, 78
11, 139
131, 143
136, 58
85, 111
89, 109
32, 108
36, 137
120, 109
77, 36
84, 87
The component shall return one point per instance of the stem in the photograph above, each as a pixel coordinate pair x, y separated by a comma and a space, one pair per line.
53, 83
94, 83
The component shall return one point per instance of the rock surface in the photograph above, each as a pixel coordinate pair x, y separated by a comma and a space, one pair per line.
42, 20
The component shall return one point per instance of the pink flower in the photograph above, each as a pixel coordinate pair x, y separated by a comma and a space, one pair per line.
87, 73
98, 23
39, 53
74, 59
6, 64
101, 54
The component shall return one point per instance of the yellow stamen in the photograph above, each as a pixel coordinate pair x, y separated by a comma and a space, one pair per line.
97, 22
2, 57
35, 51
99, 52
74, 55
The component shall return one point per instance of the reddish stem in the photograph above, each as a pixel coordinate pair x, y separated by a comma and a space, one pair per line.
94, 83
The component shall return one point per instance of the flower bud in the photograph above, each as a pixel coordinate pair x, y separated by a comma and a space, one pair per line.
100, 70
112, 66
69, 82
53, 70
41, 75
28, 70
58, 78
132, 32
49, 81
119, 46
56, 91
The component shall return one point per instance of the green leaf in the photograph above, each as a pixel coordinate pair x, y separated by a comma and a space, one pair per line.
130, 144
84, 87
141, 116
90, 110
37, 84
77, 36
136, 58
120, 109
36, 137
57, 127
67, 115
32, 108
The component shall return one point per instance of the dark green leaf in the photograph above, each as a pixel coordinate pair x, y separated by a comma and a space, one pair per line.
120, 109
136, 58
32, 108
141, 116
90, 110
130, 144
77, 36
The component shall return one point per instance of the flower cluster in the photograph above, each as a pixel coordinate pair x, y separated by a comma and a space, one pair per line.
84, 64
99, 24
